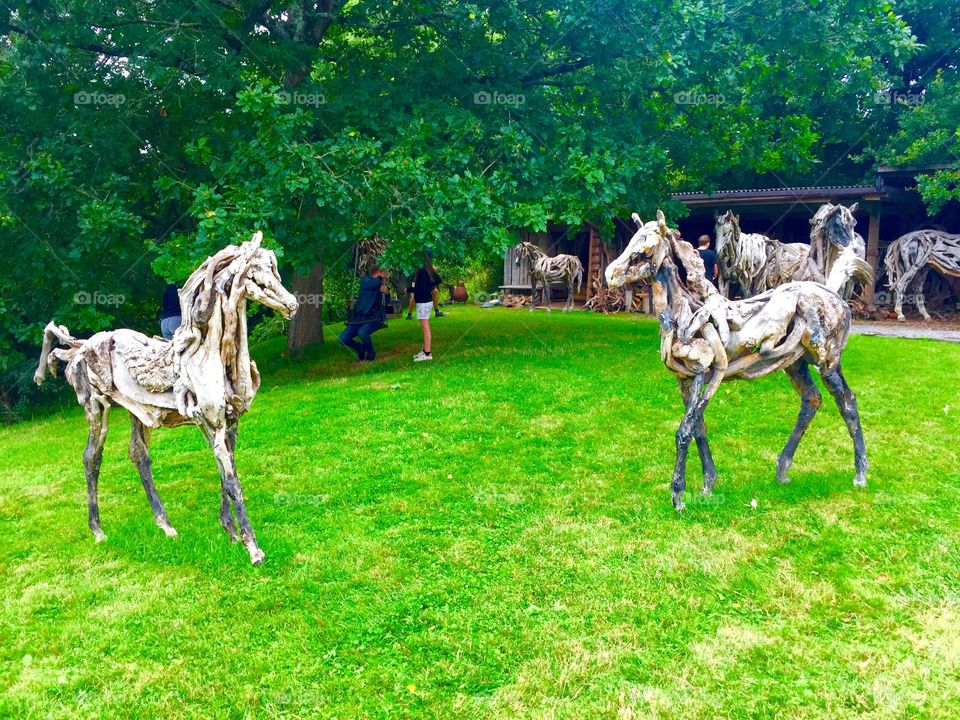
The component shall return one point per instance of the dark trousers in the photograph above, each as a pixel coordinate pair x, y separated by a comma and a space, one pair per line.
363, 348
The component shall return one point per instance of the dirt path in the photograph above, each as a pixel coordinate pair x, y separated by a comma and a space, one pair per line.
905, 331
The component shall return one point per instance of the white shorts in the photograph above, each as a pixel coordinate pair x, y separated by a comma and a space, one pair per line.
424, 310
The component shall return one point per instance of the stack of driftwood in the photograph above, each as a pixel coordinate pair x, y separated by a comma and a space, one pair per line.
606, 300
514, 301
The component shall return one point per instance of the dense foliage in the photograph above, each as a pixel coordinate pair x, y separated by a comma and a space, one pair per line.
140, 136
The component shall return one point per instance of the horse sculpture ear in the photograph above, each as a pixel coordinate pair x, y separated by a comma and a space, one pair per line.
662, 222
853, 208
637, 220
256, 239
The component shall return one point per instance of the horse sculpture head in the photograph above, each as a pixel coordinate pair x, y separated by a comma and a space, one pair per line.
231, 276
727, 233
834, 225
526, 251
645, 254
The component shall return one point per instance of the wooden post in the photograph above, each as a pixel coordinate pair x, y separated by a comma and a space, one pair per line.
594, 261
873, 251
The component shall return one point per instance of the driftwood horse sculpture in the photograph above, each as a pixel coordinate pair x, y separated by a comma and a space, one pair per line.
910, 258
706, 339
758, 263
204, 377
566, 269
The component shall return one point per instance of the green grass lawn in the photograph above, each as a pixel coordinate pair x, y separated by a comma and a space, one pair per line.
491, 535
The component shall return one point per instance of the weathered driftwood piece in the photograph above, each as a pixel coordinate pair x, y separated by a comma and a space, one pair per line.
606, 300
706, 339
508, 300
758, 263
910, 258
204, 376
566, 269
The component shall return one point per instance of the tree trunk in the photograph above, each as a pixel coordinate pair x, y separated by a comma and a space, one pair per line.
306, 327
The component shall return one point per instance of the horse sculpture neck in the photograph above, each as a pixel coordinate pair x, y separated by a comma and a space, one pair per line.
670, 294
211, 355
531, 253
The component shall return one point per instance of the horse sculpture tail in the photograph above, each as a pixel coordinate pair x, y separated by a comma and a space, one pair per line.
849, 266
53, 334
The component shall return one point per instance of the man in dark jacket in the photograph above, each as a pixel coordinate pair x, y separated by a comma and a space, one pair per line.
369, 314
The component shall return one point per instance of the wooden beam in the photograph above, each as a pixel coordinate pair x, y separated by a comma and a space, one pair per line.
873, 251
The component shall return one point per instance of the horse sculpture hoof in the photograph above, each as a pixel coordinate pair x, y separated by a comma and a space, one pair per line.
98, 536
257, 556
678, 503
859, 482
169, 531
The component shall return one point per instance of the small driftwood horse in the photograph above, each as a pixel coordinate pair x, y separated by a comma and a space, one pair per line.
910, 258
706, 339
758, 263
203, 377
566, 269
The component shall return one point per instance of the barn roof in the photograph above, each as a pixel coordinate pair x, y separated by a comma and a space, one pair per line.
812, 193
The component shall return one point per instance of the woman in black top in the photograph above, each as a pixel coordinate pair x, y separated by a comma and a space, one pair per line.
369, 314
424, 284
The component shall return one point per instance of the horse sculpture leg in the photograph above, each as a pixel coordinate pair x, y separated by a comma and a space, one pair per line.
226, 517
703, 447
847, 403
690, 426
547, 299
140, 455
918, 292
533, 293
230, 484
810, 402
97, 417
900, 287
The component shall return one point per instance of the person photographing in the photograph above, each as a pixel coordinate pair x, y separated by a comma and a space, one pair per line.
369, 313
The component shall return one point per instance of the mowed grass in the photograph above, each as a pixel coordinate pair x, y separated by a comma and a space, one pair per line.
491, 536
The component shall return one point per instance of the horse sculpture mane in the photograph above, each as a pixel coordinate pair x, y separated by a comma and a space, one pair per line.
204, 376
